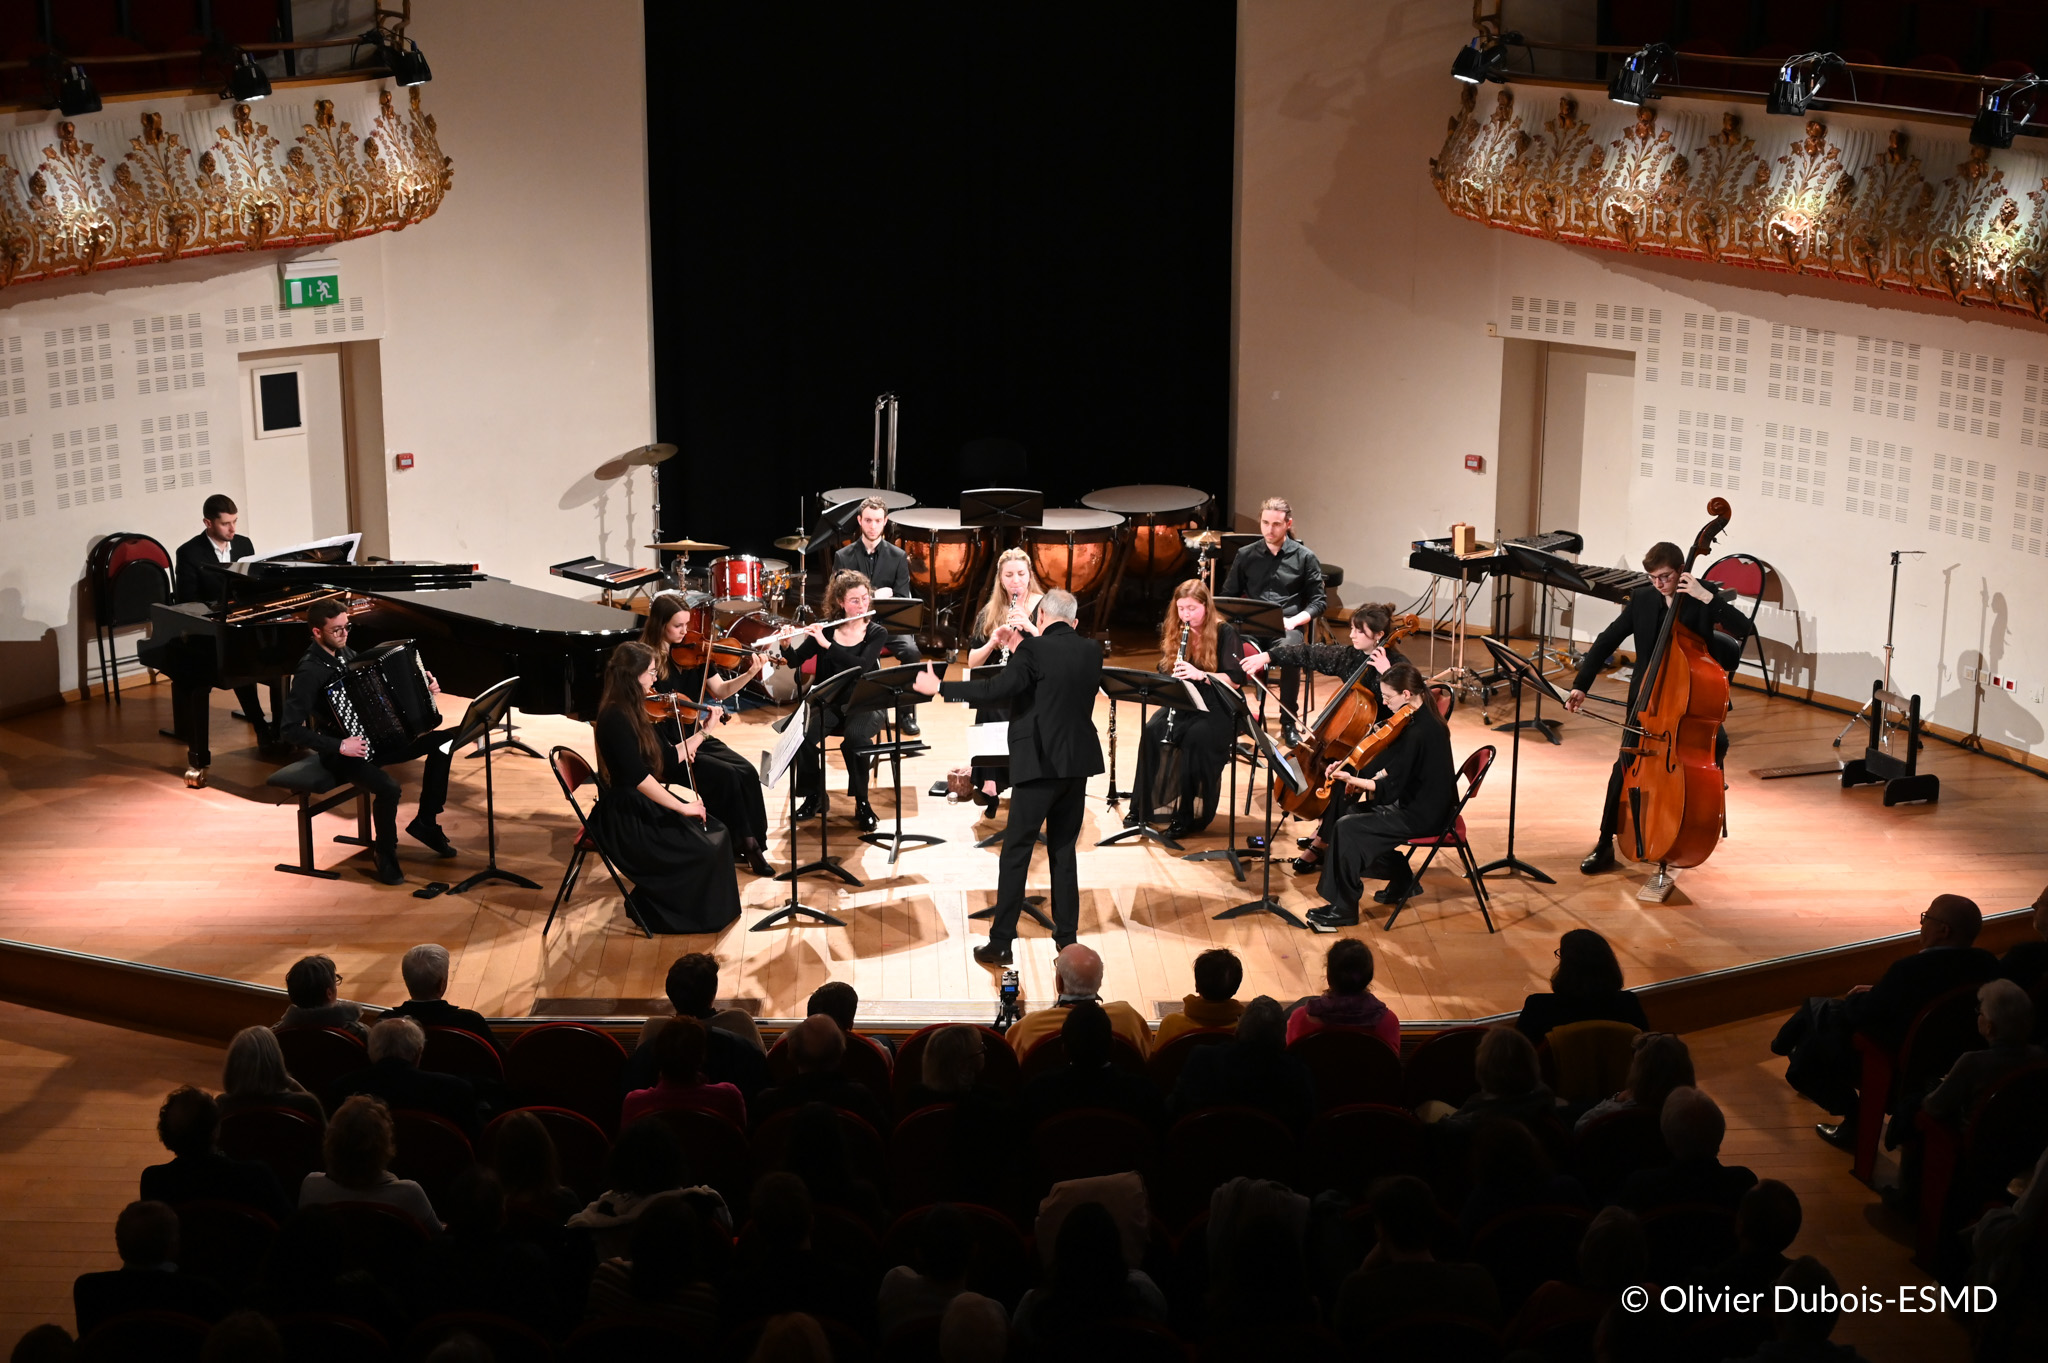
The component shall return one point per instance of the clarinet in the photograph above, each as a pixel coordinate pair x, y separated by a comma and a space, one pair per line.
1178, 654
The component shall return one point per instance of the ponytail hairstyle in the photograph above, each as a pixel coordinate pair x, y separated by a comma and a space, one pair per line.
1408, 677
622, 692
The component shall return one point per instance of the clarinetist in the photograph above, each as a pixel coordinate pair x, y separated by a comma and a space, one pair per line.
1181, 756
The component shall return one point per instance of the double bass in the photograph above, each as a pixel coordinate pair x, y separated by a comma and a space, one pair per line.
1338, 731
1673, 792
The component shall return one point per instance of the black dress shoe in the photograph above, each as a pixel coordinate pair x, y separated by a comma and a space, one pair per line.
993, 954
1329, 918
908, 726
1177, 830
1306, 866
1841, 1135
813, 807
864, 817
1307, 844
428, 833
1601, 858
1391, 895
757, 862
387, 870
1288, 737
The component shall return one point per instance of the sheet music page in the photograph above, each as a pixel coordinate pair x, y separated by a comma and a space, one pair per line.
1195, 695
988, 740
786, 747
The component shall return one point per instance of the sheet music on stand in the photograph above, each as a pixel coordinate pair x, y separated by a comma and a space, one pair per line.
787, 746
1195, 696
988, 744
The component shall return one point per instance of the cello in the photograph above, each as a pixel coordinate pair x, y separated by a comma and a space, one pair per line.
1344, 723
1673, 792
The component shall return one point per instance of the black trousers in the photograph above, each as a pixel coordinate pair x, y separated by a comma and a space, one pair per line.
1356, 842
1056, 804
903, 648
1610, 817
859, 733
1290, 677
731, 790
370, 775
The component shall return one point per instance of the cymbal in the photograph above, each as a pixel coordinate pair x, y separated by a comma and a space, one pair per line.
1208, 539
792, 543
649, 454
686, 547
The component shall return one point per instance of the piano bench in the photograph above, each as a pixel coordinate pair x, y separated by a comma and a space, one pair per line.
319, 790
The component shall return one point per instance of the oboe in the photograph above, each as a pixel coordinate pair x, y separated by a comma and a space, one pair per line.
1178, 654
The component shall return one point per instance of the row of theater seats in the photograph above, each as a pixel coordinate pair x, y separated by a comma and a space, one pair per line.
108, 28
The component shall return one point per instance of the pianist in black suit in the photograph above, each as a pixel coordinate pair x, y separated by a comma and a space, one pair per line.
677, 855
1700, 609
202, 576
308, 723
724, 780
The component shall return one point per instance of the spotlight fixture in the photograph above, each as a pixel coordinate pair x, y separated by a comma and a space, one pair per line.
1636, 81
1800, 79
76, 94
247, 82
402, 56
1994, 123
1481, 60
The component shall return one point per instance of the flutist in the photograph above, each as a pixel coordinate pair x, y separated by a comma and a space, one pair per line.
840, 643
1182, 753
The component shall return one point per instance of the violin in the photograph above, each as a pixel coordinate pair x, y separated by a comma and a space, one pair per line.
1369, 748
1343, 725
663, 705
1672, 794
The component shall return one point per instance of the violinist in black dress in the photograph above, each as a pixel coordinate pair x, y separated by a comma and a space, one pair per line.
1007, 618
726, 781
1182, 753
841, 645
678, 857
1410, 791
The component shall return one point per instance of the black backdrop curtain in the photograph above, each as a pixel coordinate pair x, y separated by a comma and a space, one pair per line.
1014, 215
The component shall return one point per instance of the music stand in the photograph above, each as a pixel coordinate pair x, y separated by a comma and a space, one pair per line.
1005, 508
899, 614
1230, 851
813, 713
1147, 689
889, 691
477, 722
1280, 764
1260, 621
831, 524
1518, 672
1546, 570
508, 739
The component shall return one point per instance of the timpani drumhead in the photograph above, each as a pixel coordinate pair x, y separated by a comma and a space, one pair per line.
1148, 499
895, 501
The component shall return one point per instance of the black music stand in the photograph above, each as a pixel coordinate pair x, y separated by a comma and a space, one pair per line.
1546, 570
889, 691
1517, 672
509, 739
1277, 762
1148, 689
1230, 851
1263, 623
1004, 508
814, 732
483, 715
831, 524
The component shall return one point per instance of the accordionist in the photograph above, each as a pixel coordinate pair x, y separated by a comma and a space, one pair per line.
309, 723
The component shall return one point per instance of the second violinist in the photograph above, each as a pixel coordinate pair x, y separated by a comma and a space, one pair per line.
726, 782
1180, 760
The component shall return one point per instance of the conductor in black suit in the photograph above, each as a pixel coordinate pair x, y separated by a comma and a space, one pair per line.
888, 572
1701, 609
1050, 686
202, 576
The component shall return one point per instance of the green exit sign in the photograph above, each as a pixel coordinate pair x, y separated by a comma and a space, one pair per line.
312, 291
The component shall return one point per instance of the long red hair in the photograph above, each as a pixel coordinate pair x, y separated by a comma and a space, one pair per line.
1201, 639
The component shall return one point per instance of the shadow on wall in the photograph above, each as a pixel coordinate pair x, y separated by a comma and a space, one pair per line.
594, 489
29, 675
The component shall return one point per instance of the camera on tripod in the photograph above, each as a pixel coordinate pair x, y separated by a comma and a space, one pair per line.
1009, 1005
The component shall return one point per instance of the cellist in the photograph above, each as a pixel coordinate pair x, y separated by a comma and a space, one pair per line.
1703, 611
1410, 791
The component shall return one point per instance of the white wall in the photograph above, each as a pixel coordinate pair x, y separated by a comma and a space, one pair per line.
1365, 305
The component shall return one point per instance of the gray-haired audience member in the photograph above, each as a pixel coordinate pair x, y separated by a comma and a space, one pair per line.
426, 970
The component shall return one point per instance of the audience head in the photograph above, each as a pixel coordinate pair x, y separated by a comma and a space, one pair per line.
474, 1204
53, 1344
1088, 1268
243, 1336
425, 968
692, 985
1086, 1032
1079, 971
1349, 966
1614, 1252
359, 1142
1506, 1154
397, 1039
1768, 1217
1404, 1213
973, 1330
1950, 921
679, 1049
524, 1158
782, 1211
944, 1244
1263, 1025
836, 1000
666, 1246
1659, 1063
1810, 1319
312, 982
817, 1045
188, 1121
953, 1059
1506, 1064
146, 1234
255, 1065
1692, 1124
2005, 1015
1218, 973
792, 1338
646, 1158
1585, 965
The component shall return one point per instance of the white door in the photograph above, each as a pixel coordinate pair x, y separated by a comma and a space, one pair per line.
294, 452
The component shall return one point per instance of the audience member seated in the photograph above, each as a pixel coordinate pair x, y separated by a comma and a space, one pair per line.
53, 1344
254, 1075
794, 1337
779, 1269
523, 1156
1693, 1129
1510, 1085
1122, 1195
1090, 1283
2026, 963
425, 968
1258, 1286
1401, 1277
1218, 974
985, 1160
1767, 1221
817, 1154
1613, 1255
1819, 1038
1349, 1000
975, 1329
922, 1291
1079, 972
2005, 1019
816, 1048
394, 1074
646, 1160
679, 1058
1660, 1063
313, 985
2005, 1255
839, 1001
187, 1124
1254, 1070
1510, 1171
665, 1276
1090, 1078
733, 1053
243, 1336
477, 1266
146, 1236
1801, 1333
1584, 987
359, 1145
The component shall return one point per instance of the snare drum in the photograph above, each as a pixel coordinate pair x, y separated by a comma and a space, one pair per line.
945, 556
776, 683
1074, 549
1156, 514
735, 578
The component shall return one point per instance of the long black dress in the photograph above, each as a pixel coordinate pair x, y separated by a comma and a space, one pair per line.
682, 873
1180, 767
859, 730
727, 782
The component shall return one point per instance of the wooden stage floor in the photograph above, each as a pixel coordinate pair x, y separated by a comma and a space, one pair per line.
108, 852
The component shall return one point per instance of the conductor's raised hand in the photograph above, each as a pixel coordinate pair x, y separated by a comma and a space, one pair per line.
926, 682
1576, 701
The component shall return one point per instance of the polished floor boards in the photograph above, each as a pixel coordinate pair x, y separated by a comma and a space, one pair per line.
109, 852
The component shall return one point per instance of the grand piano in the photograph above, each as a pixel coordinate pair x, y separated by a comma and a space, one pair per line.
472, 630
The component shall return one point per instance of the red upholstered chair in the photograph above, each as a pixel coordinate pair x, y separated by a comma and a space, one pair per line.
1527, 1247
376, 1237
1442, 1067
1213, 1145
769, 1145
1962, 1169
572, 774
225, 1242
1608, 1149
129, 573
317, 1056
866, 1063
1939, 1032
431, 1151
1473, 774
1166, 1062
284, 1138
919, 1150
452, 1050
581, 1146
1350, 1065
566, 1064
1001, 1265
998, 1069
1746, 575
715, 1152
1352, 1146
1049, 1052
1087, 1142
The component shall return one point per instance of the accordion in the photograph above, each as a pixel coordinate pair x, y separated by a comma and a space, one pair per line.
382, 697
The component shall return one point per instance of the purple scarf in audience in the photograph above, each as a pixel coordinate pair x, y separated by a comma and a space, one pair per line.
1346, 1010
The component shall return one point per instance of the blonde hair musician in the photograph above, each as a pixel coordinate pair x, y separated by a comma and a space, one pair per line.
1008, 616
